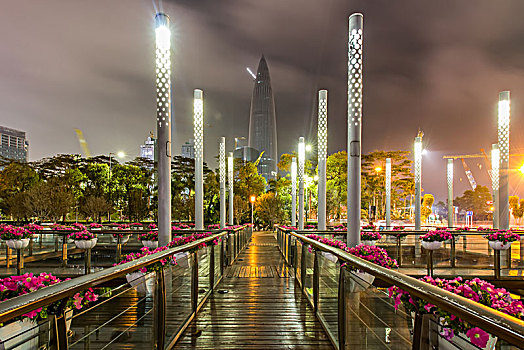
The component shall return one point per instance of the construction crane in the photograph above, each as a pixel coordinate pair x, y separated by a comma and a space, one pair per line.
259, 157
469, 174
83, 143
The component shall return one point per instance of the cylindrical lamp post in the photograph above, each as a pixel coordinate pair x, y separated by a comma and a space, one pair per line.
355, 43
198, 112
418, 180
495, 165
230, 178
450, 192
322, 156
222, 179
503, 138
163, 118
388, 193
293, 192
301, 163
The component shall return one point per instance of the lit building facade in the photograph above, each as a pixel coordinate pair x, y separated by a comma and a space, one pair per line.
13, 144
147, 150
263, 124
188, 149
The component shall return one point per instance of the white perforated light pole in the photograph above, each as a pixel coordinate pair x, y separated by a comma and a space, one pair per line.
163, 118
322, 156
450, 192
503, 133
355, 51
230, 178
198, 110
495, 164
293, 192
301, 163
388, 193
222, 179
418, 179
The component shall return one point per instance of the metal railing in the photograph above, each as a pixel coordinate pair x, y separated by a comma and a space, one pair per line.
333, 310
178, 290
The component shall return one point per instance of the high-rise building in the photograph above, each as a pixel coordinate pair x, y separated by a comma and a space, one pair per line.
13, 144
147, 150
263, 123
188, 149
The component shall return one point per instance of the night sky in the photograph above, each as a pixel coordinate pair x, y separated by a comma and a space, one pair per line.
433, 65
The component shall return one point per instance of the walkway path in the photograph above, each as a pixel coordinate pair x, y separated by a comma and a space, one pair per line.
256, 306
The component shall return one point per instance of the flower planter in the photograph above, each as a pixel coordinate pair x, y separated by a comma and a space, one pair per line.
123, 240
330, 257
144, 283
23, 332
182, 259
461, 341
498, 245
360, 281
150, 244
431, 245
86, 243
17, 243
369, 242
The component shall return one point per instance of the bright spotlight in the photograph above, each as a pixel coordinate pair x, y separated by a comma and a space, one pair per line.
121, 154
308, 148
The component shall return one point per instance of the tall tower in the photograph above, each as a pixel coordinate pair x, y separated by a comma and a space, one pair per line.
263, 123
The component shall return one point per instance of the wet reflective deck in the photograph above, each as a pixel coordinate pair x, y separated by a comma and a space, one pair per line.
256, 306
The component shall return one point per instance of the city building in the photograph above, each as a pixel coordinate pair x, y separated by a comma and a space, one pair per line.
188, 149
147, 150
14, 144
247, 154
262, 122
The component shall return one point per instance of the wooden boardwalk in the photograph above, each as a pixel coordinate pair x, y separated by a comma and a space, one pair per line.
256, 306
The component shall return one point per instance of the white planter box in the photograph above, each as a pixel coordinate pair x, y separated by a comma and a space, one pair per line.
369, 242
86, 243
360, 281
144, 283
150, 244
182, 259
123, 240
24, 332
330, 257
498, 245
17, 243
461, 341
431, 245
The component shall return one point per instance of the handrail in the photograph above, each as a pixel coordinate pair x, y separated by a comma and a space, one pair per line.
496, 322
401, 233
20, 305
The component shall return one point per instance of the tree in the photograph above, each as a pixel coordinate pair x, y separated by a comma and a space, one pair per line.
240, 209
476, 201
517, 207
15, 178
95, 207
337, 178
427, 203
269, 209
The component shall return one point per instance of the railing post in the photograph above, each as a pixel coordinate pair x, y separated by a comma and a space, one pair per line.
417, 331
194, 282
303, 265
87, 261
289, 253
58, 329
20, 261
496, 265
222, 256
316, 279
211, 267
508, 257
160, 309
8, 256
64, 250
430, 262
399, 250
453, 251
343, 297
229, 251
31, 246
56, 242
118, 248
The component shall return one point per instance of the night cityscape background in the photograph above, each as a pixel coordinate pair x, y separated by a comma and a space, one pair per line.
435, 67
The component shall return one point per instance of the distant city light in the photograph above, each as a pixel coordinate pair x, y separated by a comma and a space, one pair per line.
121, 154
378, 169
252, 199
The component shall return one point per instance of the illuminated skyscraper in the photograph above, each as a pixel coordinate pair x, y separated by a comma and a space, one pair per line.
262, 122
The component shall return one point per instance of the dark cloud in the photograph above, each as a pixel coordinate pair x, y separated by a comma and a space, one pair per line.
437, 66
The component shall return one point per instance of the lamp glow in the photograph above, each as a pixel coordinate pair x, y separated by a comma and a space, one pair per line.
308, 148
121, 154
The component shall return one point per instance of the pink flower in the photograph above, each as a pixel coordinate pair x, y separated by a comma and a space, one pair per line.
447, 333
77, 301
478, 337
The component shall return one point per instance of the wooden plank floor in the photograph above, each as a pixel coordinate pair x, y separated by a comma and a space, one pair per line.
256, 306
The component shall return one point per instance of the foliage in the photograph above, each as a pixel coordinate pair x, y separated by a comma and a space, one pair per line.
503, 236
94, 207
149, 236
427, 203
476, 201
240, 208
8, 232
370, 236
517, 207
269, 208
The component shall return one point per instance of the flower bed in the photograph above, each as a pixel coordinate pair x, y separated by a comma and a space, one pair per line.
503, 236
83, 239
398, 228
34, 227
477, 290
436, 236
149, 239
369, 236
369, 227
10, 232
95, 225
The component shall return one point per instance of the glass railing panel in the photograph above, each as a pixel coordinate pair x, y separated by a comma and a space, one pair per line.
178, 296
298, 269
328, 292
308, 285
203, 272
217, 252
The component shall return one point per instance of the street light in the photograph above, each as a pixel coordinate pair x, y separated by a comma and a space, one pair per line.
252, 200
163, 120
293, 192
495, 165
301, 161
198, 114
503, 141
308, 148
